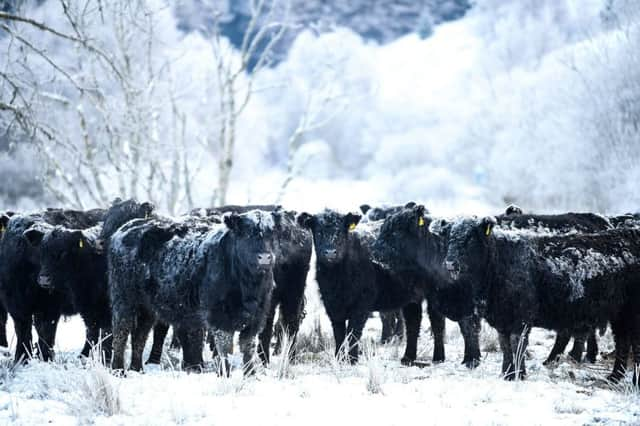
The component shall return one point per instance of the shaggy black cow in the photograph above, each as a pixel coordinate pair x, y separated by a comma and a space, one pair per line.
25, 300
292, 249
4, 220
352, 284
567, 282
513, 218
74, 261
410, 252
392, 321
191, 276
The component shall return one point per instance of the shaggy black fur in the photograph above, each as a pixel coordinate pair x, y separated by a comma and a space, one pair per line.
73, 261
192, 275
25, 300
566, 282
513, 218
351, 283
411, 252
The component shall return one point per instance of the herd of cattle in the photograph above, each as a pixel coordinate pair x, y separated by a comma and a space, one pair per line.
127, 270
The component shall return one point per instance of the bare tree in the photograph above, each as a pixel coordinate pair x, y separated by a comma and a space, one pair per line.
268, 23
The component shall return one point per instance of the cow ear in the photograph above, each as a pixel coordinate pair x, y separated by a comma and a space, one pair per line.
351, 220
4, 221
487, 224
147, 208
365, 208
153, 238
305, 220
34, 236
79, 240
116, 201
512, 209
233, 221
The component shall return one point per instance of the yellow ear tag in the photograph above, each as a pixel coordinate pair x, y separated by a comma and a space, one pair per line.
488, 231
1, 229
352, 227
81, 244
421, 221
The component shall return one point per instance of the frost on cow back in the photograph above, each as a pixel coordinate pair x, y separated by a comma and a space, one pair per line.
580, 265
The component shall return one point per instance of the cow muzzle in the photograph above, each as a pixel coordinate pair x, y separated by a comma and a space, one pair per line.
99, 246
453, 268
44, 281
265, 260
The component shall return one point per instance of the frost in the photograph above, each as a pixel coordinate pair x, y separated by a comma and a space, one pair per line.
580, 265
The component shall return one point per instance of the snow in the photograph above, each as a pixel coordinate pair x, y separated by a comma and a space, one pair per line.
319, 390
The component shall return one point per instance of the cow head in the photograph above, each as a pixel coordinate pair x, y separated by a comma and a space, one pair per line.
469, 247
120, 213
61, 252
330, 231
404, 243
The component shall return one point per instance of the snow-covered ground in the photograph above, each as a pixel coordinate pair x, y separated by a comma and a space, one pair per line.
319, 390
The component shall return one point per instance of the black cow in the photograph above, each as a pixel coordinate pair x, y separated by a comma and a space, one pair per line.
567, 282
566, 223
392, 321
74, 261
4, 220
409, 251
352, 284
192, 276
292, 246
25, 300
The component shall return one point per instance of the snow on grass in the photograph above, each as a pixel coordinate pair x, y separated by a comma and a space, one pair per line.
320, 391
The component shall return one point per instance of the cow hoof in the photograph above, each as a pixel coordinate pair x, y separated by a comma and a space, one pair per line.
154, 361
471, 363
120, 373
407, 362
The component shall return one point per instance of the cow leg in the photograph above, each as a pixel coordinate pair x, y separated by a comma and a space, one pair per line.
24, 343
224, 347
144, 323
339, 333
519, 343
3, 327
247, 342
508, 368
592, 347
562, 340
635, 348
354, 333
211, 340
160, 330
470, 330
622, 338
578, 347
267, 333
91, 339
412, 318
46, 325
175, 341
398, 330
291, 314
387, 319
192, 342
105, 343
437, 330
